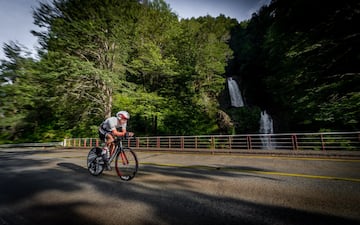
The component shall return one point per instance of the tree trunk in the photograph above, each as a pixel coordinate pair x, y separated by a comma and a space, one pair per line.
108, 103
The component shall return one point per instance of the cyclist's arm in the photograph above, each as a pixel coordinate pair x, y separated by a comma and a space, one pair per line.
122, 133
115, 132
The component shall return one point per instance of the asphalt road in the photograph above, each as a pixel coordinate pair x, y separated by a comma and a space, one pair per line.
47, 186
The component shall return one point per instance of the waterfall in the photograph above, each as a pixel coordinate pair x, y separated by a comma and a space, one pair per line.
266, 127
235, 94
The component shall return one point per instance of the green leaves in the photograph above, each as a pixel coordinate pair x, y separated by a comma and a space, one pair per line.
99, 57
297, 61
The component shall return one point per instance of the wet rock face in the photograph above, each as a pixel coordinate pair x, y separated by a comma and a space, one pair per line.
224, 121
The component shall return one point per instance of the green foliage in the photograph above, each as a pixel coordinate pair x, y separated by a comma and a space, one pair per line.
245, 119
304, 65
19, 94
99, 57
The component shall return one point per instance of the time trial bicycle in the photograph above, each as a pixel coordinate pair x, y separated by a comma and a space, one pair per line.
126, 162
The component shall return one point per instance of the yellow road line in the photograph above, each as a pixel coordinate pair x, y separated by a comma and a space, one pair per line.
310, 158
305, 175
303, 158
284, 157
257, 172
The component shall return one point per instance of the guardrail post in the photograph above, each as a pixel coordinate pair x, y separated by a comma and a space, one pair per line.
248, 142
322, 142
196, 142
212, 140
157, 142
230, 144
294, 142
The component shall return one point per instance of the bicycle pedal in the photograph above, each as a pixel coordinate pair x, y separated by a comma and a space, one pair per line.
108, 168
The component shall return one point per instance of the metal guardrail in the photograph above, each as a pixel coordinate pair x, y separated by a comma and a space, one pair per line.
47, 144
295, 141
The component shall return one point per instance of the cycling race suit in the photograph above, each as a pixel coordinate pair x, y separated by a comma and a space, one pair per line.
109, 125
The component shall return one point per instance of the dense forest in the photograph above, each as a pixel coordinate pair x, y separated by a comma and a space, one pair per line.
298, 60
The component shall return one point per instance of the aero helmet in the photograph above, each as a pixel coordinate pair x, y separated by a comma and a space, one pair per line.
123, 115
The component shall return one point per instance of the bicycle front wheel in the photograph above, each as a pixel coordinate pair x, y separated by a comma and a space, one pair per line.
126, 164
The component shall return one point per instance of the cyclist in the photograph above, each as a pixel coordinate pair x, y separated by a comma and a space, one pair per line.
109, 129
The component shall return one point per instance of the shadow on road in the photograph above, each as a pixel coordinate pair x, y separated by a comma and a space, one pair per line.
74, 167
26, 178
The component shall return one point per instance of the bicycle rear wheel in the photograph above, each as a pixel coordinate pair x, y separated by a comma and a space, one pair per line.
95, 162
126, 164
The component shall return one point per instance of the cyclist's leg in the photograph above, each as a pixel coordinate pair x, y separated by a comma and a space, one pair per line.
109, 139
102, 135
110, 143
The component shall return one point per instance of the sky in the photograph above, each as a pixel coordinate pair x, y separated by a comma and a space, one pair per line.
16, 19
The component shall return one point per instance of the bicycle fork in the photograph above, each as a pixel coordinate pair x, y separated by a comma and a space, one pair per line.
124, 159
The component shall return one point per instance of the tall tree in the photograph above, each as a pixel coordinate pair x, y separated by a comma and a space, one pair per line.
95, 31
208, 55
314, 63
152, 64
19, 84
